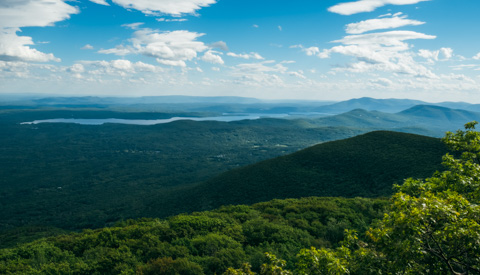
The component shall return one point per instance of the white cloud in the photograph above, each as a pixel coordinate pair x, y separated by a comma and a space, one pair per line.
171, 20
119, 50
133, 26
446, 52
76, 68
87, 47
464, 66
311, 51
359, 6
16, 48
393, 22
122, 64
16, 14
33, 13
120, 67
157, 7
261, 74
280, 28
384, 82
144, 67
255, 26
169, 48
251, 55
219, 45
440, 55
477, 56
212, 57
391, 38
298, 74
458, 77
385, 51
100, 2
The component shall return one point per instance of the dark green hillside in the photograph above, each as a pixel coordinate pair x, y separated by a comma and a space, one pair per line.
366, 165
200, 243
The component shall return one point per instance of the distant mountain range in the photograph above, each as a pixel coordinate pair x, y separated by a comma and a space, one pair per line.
228, 104
420, 119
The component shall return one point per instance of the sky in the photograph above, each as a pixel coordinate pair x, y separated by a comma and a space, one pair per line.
304, 49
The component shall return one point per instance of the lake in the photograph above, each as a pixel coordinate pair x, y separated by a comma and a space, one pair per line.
225, 118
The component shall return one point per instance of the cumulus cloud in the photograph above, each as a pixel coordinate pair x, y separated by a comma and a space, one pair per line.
396, 21
172, 7
16, 14
308, 51
359, 6
385, 51
251, 55
440, 55
219, 45
76, 68
477, 56
16, 48
171, 48
121, 67
212, 57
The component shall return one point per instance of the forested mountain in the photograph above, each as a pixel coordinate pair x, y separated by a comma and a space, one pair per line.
367, 165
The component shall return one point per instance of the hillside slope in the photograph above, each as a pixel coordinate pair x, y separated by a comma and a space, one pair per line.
198, 243
366, 165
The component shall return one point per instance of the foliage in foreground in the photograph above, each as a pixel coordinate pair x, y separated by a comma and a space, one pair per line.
431, 227
200, 243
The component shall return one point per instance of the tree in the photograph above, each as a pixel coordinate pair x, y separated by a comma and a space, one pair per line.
433, 225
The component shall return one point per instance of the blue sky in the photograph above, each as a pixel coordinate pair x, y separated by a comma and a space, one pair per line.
304, 49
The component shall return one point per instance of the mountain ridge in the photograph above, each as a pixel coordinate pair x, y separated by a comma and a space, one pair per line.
366, 165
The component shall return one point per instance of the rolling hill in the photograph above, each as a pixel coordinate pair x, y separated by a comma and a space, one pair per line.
366, 165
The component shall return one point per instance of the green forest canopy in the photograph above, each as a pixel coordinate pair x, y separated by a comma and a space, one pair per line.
431, 226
